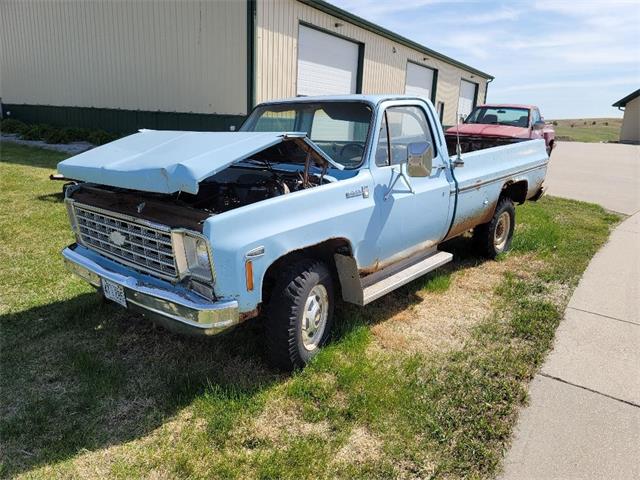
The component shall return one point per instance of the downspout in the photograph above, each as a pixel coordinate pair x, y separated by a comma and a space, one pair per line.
486, 88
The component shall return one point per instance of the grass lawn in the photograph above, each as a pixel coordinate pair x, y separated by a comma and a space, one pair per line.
424, 383
589, 129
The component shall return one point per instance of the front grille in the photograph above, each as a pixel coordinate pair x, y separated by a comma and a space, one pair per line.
127, 241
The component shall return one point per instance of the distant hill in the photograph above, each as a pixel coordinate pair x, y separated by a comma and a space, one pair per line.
588, 129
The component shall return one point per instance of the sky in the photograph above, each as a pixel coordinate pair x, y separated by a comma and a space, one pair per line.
571, 58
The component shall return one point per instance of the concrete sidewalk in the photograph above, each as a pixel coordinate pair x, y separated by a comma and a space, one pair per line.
583, 419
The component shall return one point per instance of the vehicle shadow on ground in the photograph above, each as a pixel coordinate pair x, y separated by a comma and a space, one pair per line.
57, 197
83, 375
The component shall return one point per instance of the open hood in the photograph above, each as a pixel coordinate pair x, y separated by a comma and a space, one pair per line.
170, 162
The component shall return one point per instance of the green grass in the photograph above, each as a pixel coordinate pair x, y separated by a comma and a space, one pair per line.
88, 390
589, 129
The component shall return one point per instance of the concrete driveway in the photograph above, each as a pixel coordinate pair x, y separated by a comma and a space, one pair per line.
583, 419
603, 173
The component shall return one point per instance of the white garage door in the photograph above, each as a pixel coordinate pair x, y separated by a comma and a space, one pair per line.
327, 65
419, 80
467, 95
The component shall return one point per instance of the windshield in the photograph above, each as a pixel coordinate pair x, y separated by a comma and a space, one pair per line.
340, 129
514, 117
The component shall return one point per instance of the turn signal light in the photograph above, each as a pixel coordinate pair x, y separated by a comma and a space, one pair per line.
248, 269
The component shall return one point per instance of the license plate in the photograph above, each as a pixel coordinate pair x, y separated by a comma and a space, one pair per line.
114, 292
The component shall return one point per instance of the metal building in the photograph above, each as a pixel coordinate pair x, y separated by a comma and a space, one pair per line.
630, 130
202, 65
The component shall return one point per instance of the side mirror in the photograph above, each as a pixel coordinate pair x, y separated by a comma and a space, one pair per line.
419, 159
539, 125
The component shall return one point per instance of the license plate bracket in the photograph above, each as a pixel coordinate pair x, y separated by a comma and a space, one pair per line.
115, 292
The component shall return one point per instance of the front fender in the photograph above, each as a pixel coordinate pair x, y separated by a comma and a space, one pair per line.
280, 225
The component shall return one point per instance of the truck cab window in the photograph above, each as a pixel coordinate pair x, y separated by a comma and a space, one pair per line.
400, 127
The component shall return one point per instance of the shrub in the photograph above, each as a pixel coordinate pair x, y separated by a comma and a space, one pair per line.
100, 137
606, 124
52, 134
77, 134
593, 123
572, 125
32, 132
11, 125
555, 123
56, 135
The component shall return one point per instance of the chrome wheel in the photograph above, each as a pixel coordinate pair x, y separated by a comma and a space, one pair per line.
501, 233
314, 317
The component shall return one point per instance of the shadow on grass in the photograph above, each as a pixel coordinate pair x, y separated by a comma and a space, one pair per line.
52, 197
83, 375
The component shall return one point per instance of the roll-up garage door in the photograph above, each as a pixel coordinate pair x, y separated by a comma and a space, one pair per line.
419, 80
467, 96
327, 65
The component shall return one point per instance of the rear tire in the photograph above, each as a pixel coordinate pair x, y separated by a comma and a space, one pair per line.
299, 314
494, 237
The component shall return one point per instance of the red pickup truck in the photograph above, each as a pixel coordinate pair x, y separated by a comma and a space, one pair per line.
493, 124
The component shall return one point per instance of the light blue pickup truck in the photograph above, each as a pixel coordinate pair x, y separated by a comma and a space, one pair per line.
312, 200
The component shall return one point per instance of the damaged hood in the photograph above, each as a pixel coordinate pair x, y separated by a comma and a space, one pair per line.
170, 162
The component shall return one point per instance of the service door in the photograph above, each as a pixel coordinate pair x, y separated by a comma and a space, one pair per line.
327, 65
419, 81
467, 97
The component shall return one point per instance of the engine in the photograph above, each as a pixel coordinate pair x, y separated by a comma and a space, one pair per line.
239, 186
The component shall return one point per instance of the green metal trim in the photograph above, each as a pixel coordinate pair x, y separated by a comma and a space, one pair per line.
251, 54
623, 101
120, 121
475, 95
360, 72
360, 67
486, 89
372, 27
434, 82
435, 86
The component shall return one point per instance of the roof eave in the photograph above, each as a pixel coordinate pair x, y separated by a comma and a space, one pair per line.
372, 27
623, 101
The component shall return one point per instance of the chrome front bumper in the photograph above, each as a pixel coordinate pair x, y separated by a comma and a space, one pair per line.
177, 310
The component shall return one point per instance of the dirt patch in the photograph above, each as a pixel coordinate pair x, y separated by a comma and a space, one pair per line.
280, 420
362, 446
441, 320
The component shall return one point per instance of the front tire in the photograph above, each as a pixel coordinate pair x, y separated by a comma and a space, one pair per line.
299, 314
494, 237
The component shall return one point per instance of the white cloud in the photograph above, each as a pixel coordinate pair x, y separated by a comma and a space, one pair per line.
572, 84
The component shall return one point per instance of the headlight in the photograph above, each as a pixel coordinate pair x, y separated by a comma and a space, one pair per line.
193, 256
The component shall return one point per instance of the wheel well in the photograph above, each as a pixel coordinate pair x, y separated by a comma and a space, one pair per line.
516, 191
322, 251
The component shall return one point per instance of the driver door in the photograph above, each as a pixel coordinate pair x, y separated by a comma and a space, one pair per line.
413, 212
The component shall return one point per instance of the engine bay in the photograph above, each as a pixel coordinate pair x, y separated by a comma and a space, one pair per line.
238, 186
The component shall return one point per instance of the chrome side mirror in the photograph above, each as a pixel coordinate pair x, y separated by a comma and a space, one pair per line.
539, 125
419, 159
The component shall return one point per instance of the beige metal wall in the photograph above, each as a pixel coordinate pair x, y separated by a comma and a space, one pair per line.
383, 71
630, 131
168, 55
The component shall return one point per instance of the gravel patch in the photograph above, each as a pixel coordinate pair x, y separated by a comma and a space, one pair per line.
73, 148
